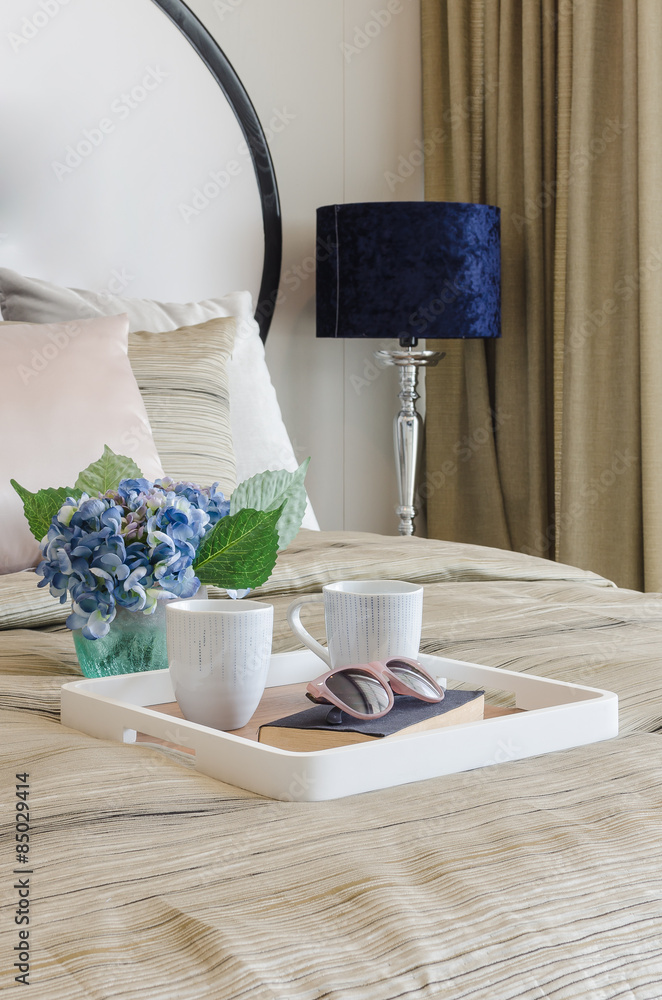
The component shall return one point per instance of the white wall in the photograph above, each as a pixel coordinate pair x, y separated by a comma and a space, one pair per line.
343, 120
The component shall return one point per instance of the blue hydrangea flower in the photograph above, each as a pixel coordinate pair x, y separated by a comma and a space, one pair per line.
209, 499
127, 548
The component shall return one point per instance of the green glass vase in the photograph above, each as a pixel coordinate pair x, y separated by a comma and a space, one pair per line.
135, 642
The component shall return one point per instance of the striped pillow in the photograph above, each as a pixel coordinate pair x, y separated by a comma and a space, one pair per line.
183, 379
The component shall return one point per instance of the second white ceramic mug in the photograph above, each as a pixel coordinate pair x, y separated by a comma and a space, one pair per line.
365, 620
218, 656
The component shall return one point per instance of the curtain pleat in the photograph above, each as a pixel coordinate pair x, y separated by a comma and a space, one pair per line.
488, 440
599, 521
649, 215
546, 441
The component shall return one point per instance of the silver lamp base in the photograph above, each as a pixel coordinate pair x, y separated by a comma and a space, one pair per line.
407, 427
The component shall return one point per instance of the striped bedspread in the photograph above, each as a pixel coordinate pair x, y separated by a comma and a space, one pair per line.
538, 879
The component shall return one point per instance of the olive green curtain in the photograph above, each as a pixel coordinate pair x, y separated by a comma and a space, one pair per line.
547, 441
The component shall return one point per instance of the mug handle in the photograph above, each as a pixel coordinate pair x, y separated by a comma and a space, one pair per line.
294, 621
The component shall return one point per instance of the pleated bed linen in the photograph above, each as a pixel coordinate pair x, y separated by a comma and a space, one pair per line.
318, 557
530, 879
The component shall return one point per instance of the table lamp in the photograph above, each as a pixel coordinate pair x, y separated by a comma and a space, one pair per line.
407, 270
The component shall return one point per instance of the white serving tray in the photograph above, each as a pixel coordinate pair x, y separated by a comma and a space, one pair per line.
557, 716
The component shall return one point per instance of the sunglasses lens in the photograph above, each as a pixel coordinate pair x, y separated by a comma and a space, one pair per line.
359, 691
419, 682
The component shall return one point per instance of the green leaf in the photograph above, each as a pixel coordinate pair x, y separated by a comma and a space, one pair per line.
107, 473
240, 551
270, 490
41, 507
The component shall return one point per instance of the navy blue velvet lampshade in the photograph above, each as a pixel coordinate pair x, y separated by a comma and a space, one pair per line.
408, 270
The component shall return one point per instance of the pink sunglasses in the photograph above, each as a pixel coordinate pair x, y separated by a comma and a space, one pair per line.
365, 690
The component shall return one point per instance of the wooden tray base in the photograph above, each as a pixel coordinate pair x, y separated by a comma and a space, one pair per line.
276, 703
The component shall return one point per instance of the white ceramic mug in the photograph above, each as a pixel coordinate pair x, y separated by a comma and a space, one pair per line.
365, 620
218, 656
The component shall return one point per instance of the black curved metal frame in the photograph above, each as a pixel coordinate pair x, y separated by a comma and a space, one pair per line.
221, 69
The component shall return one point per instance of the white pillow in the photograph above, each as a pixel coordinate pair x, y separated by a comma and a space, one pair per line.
68, 390
259, 435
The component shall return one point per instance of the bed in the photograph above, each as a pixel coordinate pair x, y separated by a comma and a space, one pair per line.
526, 880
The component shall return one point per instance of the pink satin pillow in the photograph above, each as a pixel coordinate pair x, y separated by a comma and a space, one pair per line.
68, 390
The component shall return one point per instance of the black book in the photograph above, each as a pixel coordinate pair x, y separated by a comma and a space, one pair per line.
311, 729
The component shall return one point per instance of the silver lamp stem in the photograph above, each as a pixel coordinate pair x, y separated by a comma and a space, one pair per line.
407, 428
407, 441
